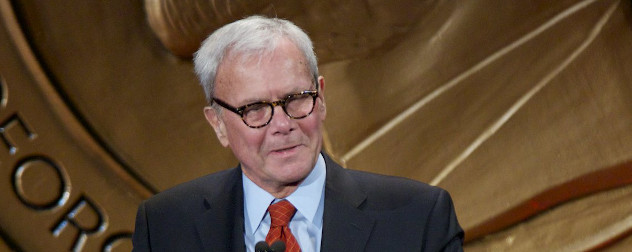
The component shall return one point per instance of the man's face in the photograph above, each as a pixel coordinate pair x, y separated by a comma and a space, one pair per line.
285, 151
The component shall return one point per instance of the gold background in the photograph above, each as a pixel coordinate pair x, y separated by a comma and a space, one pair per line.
522, 110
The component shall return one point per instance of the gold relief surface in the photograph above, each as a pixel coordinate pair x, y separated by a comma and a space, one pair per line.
141, 102
60, 190
521, 110
588, 223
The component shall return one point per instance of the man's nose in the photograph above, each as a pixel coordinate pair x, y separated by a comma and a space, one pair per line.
281, 122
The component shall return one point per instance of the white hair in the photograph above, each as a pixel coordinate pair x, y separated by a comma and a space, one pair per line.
252, 36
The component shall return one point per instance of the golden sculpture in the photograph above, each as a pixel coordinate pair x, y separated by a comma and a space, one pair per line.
521, 110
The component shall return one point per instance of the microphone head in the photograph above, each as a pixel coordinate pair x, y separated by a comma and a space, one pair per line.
278, 246
262, 246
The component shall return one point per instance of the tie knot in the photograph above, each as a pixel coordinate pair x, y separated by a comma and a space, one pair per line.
281, 213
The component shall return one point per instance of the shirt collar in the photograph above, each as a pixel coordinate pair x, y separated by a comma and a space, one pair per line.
306, 198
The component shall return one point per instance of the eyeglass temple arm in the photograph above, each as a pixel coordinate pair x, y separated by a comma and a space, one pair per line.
226, 106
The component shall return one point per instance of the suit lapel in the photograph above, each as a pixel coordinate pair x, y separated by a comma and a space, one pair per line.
342, 215
221, 225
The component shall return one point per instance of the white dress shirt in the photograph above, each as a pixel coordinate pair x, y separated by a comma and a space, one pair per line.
307, 223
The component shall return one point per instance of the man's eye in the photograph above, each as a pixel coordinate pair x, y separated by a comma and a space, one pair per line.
255, 108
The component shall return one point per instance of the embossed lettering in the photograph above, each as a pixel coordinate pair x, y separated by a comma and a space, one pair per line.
40, 183
85, 217
118, 242
3, 93
7, 127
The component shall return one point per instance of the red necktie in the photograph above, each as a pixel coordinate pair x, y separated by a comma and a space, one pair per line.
280, 214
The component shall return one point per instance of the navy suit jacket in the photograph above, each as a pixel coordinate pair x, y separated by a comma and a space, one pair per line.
363, 212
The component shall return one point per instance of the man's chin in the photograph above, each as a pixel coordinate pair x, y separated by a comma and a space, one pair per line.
293, 167
293, 172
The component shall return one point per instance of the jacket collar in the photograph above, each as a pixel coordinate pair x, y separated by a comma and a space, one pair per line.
343, 215
221, 226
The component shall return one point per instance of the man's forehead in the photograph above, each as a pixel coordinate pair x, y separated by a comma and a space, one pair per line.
243, 66
252, 79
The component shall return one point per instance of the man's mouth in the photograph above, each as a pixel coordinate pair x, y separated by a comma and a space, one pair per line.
285, 149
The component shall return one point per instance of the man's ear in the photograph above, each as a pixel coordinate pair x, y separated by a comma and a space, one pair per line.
321, 94
218, 125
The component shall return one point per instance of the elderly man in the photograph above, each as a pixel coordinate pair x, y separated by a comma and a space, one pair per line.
267, 105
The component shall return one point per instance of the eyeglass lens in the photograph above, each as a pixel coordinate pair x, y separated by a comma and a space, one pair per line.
295, 106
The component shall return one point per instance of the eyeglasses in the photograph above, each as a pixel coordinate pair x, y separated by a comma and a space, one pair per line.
259, 114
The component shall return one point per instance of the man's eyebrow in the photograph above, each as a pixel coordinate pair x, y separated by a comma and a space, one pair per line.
312, 87
295, 90
255, 100
251, 101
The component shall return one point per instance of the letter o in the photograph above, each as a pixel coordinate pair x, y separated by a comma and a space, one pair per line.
40, 183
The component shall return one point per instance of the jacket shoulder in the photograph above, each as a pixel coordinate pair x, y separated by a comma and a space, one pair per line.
394, 191
182, 195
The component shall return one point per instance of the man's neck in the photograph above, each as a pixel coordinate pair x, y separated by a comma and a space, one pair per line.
279, 191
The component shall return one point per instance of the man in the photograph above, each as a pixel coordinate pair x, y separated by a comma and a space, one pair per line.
267, 105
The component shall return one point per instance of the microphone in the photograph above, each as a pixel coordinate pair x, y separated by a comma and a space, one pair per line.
277, 246
262, 246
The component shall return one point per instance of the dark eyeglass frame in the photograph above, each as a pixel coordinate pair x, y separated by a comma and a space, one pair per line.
282, 102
